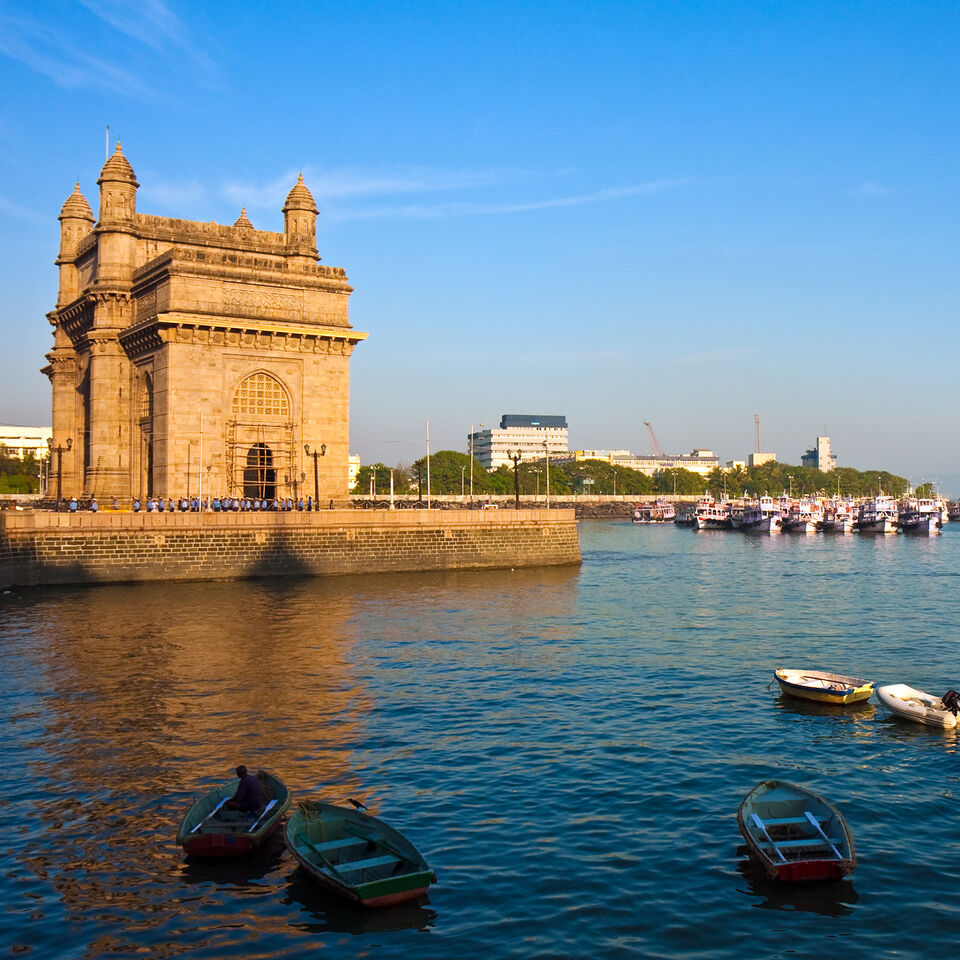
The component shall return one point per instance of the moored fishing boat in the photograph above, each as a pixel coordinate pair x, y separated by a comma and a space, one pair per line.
838, 517
713, 514
878, 515
795, 834
205, 833
660, 511
804, 517
356, 856
912, 704
919, 515
761, 516
823, 687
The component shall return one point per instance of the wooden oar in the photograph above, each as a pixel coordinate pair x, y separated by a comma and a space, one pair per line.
266, 810
214, 811
819, 829
762, 828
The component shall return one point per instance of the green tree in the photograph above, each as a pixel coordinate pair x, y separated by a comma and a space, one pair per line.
607, 478
679, 481
449, 467
379, 474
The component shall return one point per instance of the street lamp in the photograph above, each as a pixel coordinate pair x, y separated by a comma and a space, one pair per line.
516, 458
546, 450
58, 450
322, 452
462, 472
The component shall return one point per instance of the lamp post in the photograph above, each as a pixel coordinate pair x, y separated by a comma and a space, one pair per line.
462, 472
516, 458
58, 450
322, 452
546, 450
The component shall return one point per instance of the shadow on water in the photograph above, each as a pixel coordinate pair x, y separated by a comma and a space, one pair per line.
851, 712
322, 911
239, 871
834, 899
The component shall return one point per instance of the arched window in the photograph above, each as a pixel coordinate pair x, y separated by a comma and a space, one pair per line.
259, 475
261, 397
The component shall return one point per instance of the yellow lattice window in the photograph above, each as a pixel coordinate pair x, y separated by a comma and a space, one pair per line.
260, 396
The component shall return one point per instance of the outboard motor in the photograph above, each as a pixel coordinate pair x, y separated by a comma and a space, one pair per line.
951, 700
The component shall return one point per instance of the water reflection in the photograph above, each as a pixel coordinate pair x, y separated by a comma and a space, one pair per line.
834, 899
321, 911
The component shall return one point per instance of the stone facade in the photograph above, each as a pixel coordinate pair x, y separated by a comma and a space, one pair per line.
196, 354
50, 548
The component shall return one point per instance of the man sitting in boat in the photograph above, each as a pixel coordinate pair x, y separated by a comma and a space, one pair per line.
248, 798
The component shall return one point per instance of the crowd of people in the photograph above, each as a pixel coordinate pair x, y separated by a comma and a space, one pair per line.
196, 505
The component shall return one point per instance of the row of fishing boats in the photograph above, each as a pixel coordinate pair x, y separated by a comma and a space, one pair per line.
881, 514
346, 850
798, 835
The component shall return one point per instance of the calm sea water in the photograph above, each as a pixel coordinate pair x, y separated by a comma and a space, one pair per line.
567, 748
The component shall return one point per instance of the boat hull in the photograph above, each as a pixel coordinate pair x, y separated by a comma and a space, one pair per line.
824, 687
911, 704
796, 835
356, 856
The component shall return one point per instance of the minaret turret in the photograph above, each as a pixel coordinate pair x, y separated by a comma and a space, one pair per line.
300, 225
76, 221
117, 247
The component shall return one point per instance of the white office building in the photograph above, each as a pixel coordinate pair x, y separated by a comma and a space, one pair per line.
21, 441
533, 437
820, 457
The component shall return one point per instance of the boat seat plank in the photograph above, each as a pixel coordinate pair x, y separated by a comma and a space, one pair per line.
355, 866
330, 845
785, 821
808, 842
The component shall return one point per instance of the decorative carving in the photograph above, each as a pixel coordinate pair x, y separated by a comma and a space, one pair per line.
147, 305
261, 300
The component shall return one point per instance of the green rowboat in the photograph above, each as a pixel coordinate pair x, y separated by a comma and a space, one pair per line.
357, 856
204, 834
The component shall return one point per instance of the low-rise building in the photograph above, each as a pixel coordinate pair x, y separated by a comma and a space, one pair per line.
353, 468
533, 437
700, 461
23, 441
759, 459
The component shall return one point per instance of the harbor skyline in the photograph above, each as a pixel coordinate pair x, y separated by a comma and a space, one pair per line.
727, 211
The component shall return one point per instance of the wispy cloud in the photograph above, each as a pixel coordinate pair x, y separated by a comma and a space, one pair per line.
870, 189
21, 212
49, 50
499, 208
151, 22
354, 195
328, 186
57, 57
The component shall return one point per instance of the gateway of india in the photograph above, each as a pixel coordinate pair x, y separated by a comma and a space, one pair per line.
188, 353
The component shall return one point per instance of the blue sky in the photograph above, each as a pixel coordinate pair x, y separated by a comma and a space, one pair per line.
685, 213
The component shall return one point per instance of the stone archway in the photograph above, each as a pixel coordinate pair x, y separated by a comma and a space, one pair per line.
260, 439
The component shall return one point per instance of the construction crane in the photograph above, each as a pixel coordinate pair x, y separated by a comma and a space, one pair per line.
657, 452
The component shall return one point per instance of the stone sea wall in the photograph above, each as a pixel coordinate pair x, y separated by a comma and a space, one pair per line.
39, 548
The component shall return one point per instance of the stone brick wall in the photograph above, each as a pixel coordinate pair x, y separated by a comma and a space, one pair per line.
49, 548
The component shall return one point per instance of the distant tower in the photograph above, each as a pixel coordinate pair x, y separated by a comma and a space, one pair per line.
300, 225
756, 424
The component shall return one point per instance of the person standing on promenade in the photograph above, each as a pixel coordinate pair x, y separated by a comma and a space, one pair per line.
73, 504
93, 504
136, 504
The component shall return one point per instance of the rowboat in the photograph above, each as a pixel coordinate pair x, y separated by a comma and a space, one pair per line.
904, 701
795, 834
356, 856
204, 834
823, 687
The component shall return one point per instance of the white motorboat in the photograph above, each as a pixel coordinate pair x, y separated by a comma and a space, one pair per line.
878, 515
761, 516
911, 704
713, 514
